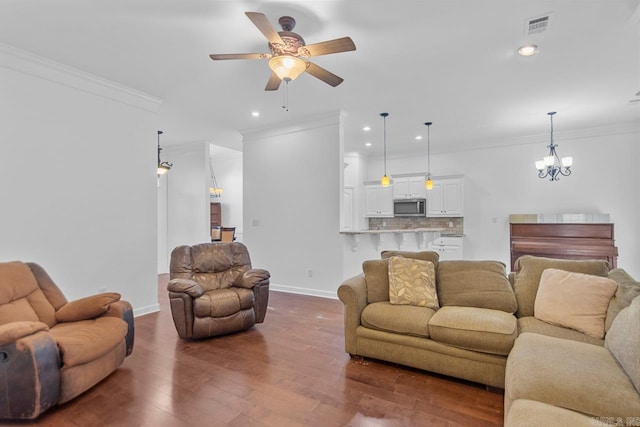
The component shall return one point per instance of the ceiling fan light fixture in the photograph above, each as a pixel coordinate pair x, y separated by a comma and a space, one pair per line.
287, 67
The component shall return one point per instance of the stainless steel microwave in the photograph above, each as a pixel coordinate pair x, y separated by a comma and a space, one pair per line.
410, 207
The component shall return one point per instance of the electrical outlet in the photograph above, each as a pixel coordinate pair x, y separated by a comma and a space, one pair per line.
450, 224
384, 223
494, 220
255, 222
310, 272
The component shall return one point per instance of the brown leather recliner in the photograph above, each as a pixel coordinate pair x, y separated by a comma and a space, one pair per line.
213, 290
52, 350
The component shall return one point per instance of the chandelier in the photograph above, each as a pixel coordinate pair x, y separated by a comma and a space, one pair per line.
553, 166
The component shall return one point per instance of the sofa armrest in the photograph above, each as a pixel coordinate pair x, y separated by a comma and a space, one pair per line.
252, 277
30, 372
353, 294
122, 310
186, 286
11, 332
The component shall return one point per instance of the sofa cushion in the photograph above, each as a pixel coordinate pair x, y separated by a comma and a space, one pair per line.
86, 308
537, 326
376, 274
471, 328
574, 300
623, 341
574, 375
86, 340
529, 269
529, 413
412, 282
628, 290
399, 319
481, 284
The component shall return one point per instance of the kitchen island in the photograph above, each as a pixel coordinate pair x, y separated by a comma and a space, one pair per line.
423, 237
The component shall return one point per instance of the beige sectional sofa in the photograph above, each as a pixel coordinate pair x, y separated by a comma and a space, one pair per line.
487, 328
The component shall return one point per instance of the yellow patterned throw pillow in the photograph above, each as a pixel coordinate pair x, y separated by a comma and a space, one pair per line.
412, 282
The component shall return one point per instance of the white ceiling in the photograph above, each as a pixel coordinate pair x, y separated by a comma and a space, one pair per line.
452, 62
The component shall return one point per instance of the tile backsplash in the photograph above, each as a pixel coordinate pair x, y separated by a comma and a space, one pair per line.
412, 222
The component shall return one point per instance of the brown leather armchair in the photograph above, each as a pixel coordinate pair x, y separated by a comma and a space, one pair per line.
213, 290
52, 350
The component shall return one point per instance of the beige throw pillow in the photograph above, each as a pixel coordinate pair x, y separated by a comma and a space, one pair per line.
412, 282
574, 300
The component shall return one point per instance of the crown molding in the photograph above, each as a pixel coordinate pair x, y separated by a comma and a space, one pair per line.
330, 118
37, 66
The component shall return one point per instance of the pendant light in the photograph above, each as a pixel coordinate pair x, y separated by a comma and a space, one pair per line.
163, 167
553, 166
385, 180
428, 184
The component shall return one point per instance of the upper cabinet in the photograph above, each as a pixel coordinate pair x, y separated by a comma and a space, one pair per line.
410, 187
445, 199
379, 201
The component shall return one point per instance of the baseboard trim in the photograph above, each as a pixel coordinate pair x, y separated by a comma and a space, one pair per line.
303, 291
146, 310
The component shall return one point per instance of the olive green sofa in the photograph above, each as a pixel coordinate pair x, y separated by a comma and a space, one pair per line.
485, 330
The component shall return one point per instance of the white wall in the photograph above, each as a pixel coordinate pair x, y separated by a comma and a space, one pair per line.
77, 178
501, 181
228, 168
187, 197
292, 190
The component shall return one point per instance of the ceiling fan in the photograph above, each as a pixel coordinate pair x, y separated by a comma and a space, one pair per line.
288, 57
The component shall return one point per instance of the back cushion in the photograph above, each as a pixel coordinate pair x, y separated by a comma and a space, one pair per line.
482, 284
21, 299
623, 341
529, 269
423, 255
628, 289
376, 272
212, 265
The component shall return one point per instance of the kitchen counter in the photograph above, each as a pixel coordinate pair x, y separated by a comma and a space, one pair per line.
399, 234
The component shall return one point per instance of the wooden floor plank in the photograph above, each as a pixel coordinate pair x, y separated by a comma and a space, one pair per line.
291, 370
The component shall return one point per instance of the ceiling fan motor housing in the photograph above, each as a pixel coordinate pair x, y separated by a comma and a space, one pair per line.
292, 43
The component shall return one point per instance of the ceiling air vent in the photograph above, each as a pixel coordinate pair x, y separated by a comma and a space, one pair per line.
538, 24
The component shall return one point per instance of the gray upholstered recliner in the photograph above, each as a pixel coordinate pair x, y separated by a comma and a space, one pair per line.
213, 290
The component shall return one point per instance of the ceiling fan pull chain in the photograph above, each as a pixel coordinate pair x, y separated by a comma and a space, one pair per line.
285, 95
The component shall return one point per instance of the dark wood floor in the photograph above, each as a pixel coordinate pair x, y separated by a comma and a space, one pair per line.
291, 370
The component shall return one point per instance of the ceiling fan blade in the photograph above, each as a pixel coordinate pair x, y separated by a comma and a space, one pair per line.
273, 83
260, 20
219, 56
343, 44
326, 76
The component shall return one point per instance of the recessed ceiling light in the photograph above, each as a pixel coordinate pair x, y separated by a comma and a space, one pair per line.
255, 113
419, 137
366, 128
367, 144
528, 50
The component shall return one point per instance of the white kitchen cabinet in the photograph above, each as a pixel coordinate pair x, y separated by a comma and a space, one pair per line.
379, 201
410, 187
445, 199
448, 247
